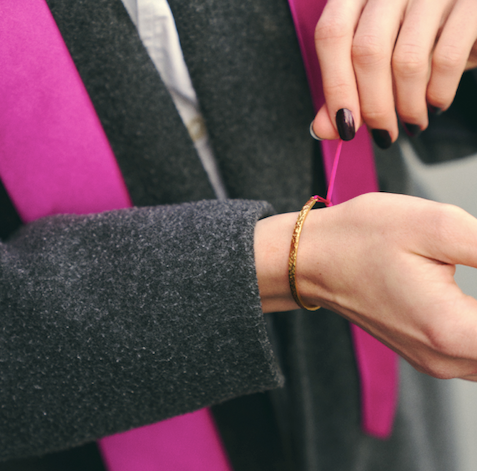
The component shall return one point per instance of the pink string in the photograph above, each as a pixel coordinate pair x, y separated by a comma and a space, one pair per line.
331, 183
327, 201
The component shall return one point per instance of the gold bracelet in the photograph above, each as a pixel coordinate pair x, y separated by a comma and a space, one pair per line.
293, 253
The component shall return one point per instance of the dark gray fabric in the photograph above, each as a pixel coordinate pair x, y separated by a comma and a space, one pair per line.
82, 458
451, 135
245, 65
321, 390
8, 215
125, 318
134, 106
322, 417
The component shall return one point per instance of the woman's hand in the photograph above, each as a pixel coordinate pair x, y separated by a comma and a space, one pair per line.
385, 262
379, 56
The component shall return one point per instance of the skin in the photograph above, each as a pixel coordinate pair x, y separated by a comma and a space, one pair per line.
381, 57
385, 60
395, 279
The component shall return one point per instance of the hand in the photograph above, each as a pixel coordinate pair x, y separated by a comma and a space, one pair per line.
385, 262
379, 56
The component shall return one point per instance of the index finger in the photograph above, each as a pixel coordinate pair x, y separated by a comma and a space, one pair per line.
333, 40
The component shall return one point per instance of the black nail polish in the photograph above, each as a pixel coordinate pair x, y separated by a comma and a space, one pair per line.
412, 130
434, 110
345, 124
382, 138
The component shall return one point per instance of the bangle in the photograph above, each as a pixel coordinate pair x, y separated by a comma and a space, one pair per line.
293, 253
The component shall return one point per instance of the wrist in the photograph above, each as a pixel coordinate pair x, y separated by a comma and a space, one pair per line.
273, 238
272, 245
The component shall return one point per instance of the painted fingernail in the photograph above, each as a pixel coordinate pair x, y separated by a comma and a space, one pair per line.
382, 138
345, 124
412, 130
313, 134
434, 110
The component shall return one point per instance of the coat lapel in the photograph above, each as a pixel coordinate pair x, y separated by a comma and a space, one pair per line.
240, 55
246, 67
154, 151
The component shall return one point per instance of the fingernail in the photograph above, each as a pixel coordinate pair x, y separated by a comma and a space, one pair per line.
412, 130
434, 110
313, 135
382, 138
345, 124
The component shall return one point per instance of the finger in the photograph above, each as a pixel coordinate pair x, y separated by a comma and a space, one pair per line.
446, 347
450, 350
323, 125
372, 49
411, 61
451, 236
456, 340
472, 378
472, 60
333, 40
452, 52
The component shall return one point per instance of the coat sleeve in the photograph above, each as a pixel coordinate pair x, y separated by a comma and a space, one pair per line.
116, 320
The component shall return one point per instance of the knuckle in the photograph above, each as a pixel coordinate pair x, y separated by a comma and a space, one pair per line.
437, 366
448, 59
368, 49
434, 367
410, 61
442, 341
337, 88
449, 212
440, 370
444, 219
331, 29
374, 115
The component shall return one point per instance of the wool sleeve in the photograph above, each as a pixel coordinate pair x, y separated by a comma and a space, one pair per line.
116, 320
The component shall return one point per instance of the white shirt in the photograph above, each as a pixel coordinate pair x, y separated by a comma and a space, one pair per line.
158, 32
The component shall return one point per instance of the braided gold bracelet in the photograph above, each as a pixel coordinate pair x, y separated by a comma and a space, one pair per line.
293, 253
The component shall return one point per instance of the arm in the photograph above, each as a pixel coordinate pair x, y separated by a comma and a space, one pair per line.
379, 57
116, 320
385, 262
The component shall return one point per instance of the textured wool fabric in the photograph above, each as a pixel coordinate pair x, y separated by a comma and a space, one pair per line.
258, 126
135, 108
59, 161
246, 67
258, 113
55, 155
100, 310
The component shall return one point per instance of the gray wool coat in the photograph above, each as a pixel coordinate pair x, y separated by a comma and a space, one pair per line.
161, 313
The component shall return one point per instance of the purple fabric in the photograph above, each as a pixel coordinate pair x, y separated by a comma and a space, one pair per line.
377, 364
185, 443
55, 158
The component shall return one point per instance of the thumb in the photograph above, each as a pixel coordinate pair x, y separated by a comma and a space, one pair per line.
324, 126
453, 237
